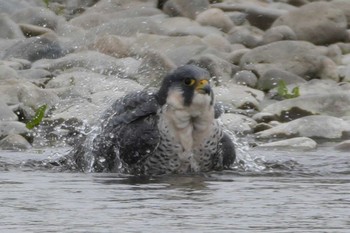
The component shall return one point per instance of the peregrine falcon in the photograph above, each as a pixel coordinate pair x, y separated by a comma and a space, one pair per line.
172, 130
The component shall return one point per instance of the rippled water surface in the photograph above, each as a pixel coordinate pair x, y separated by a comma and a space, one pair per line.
269, 191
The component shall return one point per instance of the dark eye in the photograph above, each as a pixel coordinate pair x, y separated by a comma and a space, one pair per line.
189, 81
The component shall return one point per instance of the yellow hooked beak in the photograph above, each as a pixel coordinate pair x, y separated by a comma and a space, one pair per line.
203, 87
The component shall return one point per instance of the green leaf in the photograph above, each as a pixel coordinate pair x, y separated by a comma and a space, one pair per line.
282, 91
38, 117
47, 2
296, 92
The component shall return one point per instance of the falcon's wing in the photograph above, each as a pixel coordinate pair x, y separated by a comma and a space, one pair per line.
128, 133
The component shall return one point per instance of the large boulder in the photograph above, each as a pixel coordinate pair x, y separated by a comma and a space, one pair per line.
8, 28
185, 8
318, 22
298, 143
298, 57
316, 98
320, 127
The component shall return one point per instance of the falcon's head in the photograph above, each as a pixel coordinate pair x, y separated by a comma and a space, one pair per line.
186, 86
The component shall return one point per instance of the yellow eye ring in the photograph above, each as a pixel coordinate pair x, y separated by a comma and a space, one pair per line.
189, 81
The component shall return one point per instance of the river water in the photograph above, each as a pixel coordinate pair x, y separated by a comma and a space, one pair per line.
267, 191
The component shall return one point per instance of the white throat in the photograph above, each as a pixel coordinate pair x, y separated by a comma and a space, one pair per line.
189, 124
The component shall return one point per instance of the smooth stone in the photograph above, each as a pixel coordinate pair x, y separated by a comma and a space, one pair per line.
236, 55
6, 113
14, 142
344, 6
327, 26
264, 117
215, 17
278, 33
126, 27
335, 104
271, 78
111, 45
36, 48
180, 26
261, 17
30, 30
217, 42
245, 77
7, 72
108, 6
93, 61
318, 126
238, 97
93, 18
220, 70
298, 57
261, 127
250, 37
185, 8
238, 123
17, 64
8, 28
12, 127
39, 16
343, 146
84, 84
10, 6
178, 49
154, 66
299, 143
37, 76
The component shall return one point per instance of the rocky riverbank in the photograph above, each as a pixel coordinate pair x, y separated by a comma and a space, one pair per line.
78, 56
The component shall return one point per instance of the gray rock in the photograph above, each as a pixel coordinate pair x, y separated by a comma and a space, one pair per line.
271, 78
327, 26
298, 143
245, 77
278, 33
93, 61
344, 6
298, 57
84, 84
111, 45
220, 69
185, 8
17, 63
10, 6
12, 127
332, 104
343, 146
264, 117
126, 27
37, 76
93, 17
216, 18
154, 66
8, 28
30, 30
236, 55
261, 17
217, 42
323, 127
178, 49
6, 114
7, 72
250, 37
238, 97
14, 142
238, 123
39, 16
35, 48
180, 26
